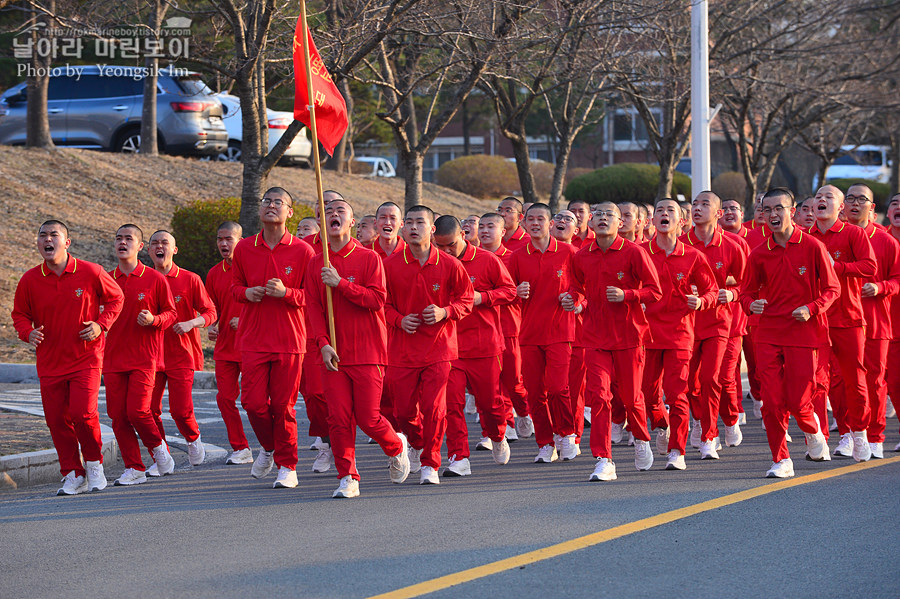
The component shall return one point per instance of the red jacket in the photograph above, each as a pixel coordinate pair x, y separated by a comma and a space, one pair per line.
877, 310
726, 259
517, 240
315, 242
671, 321
191, 299
854, 260
130, 346
511, 313
740, 320
358, 302
799, 274
61, 304
412, 288
544, 321
218, 286
376, 247
275, 324
615, 325
578, 242
480, 334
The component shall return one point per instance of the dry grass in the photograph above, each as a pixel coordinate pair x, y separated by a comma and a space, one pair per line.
95, 192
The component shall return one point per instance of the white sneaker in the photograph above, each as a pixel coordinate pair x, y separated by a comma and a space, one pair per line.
616, 433
265, 461
484, 445
788, 438
371, 441
861, 450
240, 456
675, 460
742, 418
877, 450
324, 460
470, 405
696, 433
347, 489
95, 476
605, 470
429, 476
510, 434
889, 411
708, 449
733, 435
524, 426
897, 447
643, 455
73, 485
662, 440
131, 477
398, 465
630, 440
286, 479
500, 452
546, 455
165, 463
816, 447
458, 467
317, 444
834, 425
757, 409
587, 416
153, 471
196, 452
415, 459
566, 448
844, 448
782, 469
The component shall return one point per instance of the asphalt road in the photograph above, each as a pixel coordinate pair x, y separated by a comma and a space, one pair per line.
212, 531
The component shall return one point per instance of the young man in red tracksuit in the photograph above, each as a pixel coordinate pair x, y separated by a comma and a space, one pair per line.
542, 270
616, 278
732, 222
224, 333
491, 229
511, 210
854, 260
893, 374
268, 271
352, 364
480, 339
583, 234
681, 270
56, 309
133, 346
428, 293
182, 354
878, 293
713, 326
799, 284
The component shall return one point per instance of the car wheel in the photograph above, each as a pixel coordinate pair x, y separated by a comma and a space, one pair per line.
232, 153
129, 143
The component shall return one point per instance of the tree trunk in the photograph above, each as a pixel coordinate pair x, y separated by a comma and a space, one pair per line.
820, 175
412, 173
37, 122
149, 139
466, 134
339, 162
559, 175
253, 177
523, 169
666, 177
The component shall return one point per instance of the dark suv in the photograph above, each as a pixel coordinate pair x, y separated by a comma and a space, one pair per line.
100, 107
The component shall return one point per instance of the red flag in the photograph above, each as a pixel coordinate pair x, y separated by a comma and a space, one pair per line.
331, 110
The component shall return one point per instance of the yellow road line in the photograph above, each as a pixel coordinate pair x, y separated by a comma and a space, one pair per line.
516, 561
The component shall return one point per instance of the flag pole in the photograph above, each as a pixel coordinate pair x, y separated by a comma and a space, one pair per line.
310, 99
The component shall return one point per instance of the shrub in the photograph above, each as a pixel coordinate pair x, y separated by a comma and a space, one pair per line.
194, 227
881, 191
730, 185
479, 176
626, 182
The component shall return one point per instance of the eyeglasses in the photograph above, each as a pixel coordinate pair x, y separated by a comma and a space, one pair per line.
606, 213
277, 202
776, 209
565, 219
856, 200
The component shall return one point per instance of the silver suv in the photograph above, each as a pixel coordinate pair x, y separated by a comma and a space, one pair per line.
100, 107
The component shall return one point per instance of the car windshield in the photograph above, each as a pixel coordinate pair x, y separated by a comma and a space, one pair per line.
860, 158
192, 85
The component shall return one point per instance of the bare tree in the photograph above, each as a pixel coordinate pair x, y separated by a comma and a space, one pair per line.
37, 122
149, 138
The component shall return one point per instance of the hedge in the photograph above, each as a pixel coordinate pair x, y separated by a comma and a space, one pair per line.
480, 176
194, 227
626, 182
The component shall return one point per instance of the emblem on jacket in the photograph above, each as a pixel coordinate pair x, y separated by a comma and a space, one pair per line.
351, 279
719, 265
559, 273
472, 279
287, 270
436, 287
802, 270
79, 292
837, 254
178, 298
141, 296
620, 275
679, 276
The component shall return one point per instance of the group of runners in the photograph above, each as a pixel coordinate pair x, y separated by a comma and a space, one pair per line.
628, 318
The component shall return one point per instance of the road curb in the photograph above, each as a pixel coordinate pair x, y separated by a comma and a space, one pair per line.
40, 467
26, 374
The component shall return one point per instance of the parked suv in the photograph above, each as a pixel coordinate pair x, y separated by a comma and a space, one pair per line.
100, 107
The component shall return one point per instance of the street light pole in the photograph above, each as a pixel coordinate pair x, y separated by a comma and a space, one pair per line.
700, 117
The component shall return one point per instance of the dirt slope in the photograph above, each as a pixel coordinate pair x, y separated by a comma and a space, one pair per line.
95, 192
